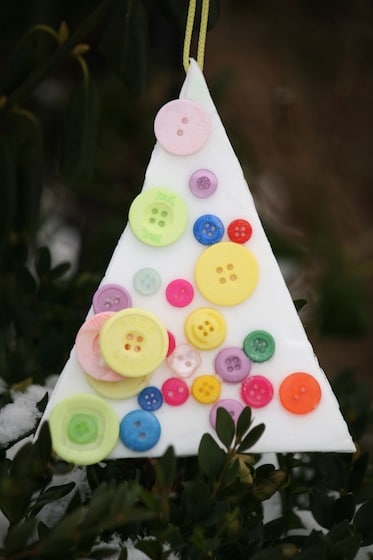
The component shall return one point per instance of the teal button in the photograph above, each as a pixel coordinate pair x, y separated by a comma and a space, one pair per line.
259, 346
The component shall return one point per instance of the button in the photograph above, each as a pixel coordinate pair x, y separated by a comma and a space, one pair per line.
206, 389
171, 343
150, 398
259, 346
208, 229
133, 342
205, 328
88, 351
140, 430
184, 360
257, 391
239, 231
147, 281
232, 365
231, 405
203, 183
158, 217
84, 429
226, 273
124, 389
111, 297
179, 292
175, 391
300, 393
182, 127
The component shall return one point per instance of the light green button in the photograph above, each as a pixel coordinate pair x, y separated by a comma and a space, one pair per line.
83, 428
158, 216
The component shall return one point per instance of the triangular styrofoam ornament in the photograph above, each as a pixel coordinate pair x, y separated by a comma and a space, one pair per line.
192, 314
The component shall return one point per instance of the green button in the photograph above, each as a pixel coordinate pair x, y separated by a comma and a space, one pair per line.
83, 428
158, 216
259, 346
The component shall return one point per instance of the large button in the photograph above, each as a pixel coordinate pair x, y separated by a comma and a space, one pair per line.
208, 229
111, 297
259, 346
239, 231
203, 183
147, 281
88, 351
231, 405
205, 328
257, 391
206, 389
150, 398
133, 342
119, 390
184, 360
182, 127
300, 393
158, 217
226, 273
84, 429
232, 365
175, 391
140, 430
179, 292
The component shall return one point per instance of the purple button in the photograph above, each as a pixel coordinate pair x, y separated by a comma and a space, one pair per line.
179, 292
175, 391
232, 364
232, 406
184, 360
111, 297
203, 183
257, 391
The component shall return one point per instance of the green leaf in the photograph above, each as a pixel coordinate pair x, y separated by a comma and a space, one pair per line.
18, 535
358, 471
225, 427
196, 499
243, 423
7, 186
344, 508
165, 468
211, 457
51, 494
322, 507
43, 261
43, 444
300, 303
363, 522
252, 437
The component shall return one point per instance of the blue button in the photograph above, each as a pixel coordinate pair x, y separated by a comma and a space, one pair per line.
140, 430
147, 281
150, 398
208, 229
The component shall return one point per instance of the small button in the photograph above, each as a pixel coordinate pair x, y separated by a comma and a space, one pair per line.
259, 346
203, 183
150, 398
133, 342
184, 360
111, 297
179, 292
119, 390
88, 351
182, 127
84, 429
158, 217
231, 405
300, 393
140, 430
205, 328
226, 273
208, 229
175, 391
171, 343
206, 389
239, 231
257, 391
232, 365
147, 281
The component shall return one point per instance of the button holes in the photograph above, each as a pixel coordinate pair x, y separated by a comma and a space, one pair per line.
127, 347
137, 424
181, 390
142, 435
116, 300
222, 280
302, 389
230, 266
211, 328
233, 277
180, 132
170, 394
219, 269
164, 214
188, 363
161, 223
129, 336
107, 304
137, 348
139, 339
207, 323
203, 183
200, 327
205, 333
152, 221
154, 211
185, 120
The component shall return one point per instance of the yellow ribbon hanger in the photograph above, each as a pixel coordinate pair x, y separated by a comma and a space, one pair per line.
202, 33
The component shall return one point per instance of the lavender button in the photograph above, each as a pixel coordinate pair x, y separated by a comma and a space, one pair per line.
232, 406
232, 364
203, 183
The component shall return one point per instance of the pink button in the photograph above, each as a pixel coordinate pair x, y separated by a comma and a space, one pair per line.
257, 391
111, 297
88, 352
179, 292
171, 343
182, 127
184, 360
175, 391
231, 405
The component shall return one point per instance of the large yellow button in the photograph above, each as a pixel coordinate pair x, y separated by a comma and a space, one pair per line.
133, 342
226, 273
205, 328
206, 389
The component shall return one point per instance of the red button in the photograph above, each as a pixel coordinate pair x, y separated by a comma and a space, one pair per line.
257, 391
175, 391
179, 292
239, 231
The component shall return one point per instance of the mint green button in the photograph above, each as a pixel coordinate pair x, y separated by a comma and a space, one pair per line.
259, 346
83, 428
158, 216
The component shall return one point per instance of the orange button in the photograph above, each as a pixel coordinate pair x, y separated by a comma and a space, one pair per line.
300, 393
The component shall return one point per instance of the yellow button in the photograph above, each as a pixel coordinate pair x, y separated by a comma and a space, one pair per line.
118, 389
226, 273
206, 389
205, 328
133, 342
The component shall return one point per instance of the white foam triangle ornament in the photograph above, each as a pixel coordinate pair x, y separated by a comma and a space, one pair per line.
192, 314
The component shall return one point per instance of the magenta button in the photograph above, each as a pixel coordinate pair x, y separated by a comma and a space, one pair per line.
111, 297
184, 360
175, 391
231, 405
182, 127
232, 365
171, 343
179, 293
257, 391
203, 183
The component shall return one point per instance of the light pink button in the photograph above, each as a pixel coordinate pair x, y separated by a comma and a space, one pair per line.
184, 360
111, 297
179, 292
257, 391
182, 127
88, 352
175, 391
